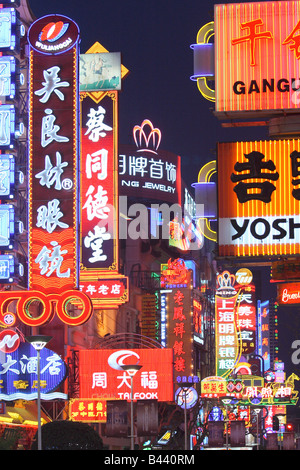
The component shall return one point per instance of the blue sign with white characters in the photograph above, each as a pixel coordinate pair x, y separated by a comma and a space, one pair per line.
18, 374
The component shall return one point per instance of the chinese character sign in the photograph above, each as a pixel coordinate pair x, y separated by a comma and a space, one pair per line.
87, 411
259, 198
101, 375
246, 321
180, 329
99, 186
264, 344
53, 155
257, 56
18, 374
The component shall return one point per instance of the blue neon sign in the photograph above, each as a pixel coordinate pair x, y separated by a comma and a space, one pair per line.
7, 176
7, 225
18, 374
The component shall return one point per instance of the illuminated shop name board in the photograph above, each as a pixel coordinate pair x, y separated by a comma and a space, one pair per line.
257, 56
53, 34
259, 182
102, 377
53, 198
235, 319
288, 293
149, 168
18, 371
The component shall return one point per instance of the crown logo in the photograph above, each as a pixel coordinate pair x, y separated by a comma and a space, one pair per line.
146, 137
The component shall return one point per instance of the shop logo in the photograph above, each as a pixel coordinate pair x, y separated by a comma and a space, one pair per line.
53, 31
147, 137
9, 341
118, 358
53, 34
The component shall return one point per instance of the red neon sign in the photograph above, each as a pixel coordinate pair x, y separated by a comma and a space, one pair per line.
53, 155
101, 375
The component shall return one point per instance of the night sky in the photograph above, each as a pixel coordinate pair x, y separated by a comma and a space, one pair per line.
154, 38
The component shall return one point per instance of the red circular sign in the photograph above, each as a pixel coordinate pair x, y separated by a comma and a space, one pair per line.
9, 341
53, 34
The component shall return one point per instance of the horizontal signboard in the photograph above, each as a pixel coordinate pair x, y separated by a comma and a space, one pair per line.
101, 375
259, 198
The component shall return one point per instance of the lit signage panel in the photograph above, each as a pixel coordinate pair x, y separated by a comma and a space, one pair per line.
263, 330
53, 154
178, 282
235, 319
7, 126
7, 176
257, 56
259, 198
8, 20
87, 411
288, 294
18, 369
100, 71
101, 375
147, 167
106, 291
8, 76
7, 268
7, 225
99, 202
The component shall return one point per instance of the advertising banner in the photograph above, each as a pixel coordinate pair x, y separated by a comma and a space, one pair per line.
257, 57
53, 154
259, 198
101, 375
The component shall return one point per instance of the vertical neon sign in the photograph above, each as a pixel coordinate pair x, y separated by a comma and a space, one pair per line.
53, 154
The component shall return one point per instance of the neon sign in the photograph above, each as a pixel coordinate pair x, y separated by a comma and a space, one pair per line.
288, 293
53, 169
18, 374
53, 155
101, 375
258, 203
99, 201
256, 56
53, 34
8, 21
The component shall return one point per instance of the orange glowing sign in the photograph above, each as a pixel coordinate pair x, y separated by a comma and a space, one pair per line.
259, 198
257, 56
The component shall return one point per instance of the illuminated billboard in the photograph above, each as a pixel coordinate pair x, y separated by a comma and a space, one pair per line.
52, 180
100, 71
177, 315
53, 154
257, 56
259, 198
148, 168
235, 319
18, 369
99, 247
101, 375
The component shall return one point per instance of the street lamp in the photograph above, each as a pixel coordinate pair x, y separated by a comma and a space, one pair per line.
226, 402
132, 370
39, 342
257, 411
185, 387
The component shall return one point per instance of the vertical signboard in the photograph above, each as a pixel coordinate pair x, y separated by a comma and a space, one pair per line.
53, 154
177, 279
264, 332
235, 319
99, 201
99, 204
